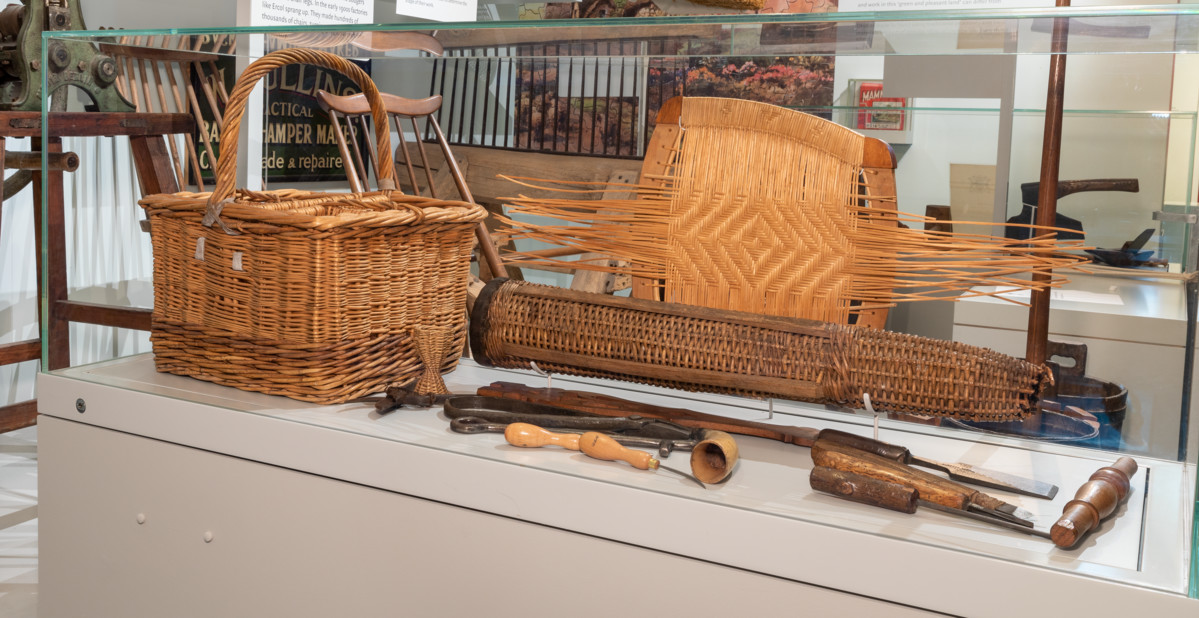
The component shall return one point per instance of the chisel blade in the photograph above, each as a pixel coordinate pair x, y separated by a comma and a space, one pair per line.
1008, 512
992, 479
689, 477
1025, 527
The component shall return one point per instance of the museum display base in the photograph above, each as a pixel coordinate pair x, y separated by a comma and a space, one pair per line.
1135, 333
163, 495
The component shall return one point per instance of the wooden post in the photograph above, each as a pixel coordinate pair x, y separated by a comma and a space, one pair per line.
1038, 314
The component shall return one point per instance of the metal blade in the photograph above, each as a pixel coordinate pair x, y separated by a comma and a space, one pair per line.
685, 475
992, 479
1002, 523
476, 424
1007, 512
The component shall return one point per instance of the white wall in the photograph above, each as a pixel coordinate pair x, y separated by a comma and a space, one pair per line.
133, 14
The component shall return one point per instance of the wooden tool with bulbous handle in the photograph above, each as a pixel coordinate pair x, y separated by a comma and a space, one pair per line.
1094, 501
592, 444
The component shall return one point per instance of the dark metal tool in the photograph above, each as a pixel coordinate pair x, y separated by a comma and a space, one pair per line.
1068, 228
1129, 254
714, 453
476, 424
896, 497
595, 403
652, 433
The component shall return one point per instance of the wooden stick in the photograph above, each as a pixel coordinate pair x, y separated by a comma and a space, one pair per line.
176, 161
192, 156
194, 103
207, 87
1051, 155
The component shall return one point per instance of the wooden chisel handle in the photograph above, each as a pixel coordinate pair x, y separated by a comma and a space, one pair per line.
863, 489
592, 444
930, 486
1094, 501
532, 436
600, 446
893, 452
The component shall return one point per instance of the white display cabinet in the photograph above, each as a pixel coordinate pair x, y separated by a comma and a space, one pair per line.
252, 499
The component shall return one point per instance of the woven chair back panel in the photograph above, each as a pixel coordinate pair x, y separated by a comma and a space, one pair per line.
759, 219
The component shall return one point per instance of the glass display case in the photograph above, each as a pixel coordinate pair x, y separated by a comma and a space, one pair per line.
961, 97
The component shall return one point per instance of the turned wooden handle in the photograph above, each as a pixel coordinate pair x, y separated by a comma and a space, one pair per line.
714, 456
532, 436
592, 444
930, 486
864, 489
600, 446
1094, 501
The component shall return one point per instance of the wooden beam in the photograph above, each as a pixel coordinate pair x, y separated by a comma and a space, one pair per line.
104, 315
18, 415
20, 351
155, 53
93, 124
153, 164
486, 164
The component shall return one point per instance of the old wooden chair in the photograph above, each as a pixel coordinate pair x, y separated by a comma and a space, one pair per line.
177, 75
441, 180
738, 207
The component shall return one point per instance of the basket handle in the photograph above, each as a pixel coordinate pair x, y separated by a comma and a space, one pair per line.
226, 167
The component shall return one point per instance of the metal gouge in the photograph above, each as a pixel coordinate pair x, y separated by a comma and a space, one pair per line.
605, 405
592, 444
896, 497
931, 487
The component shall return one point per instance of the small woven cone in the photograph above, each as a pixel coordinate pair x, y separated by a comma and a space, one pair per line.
431, 345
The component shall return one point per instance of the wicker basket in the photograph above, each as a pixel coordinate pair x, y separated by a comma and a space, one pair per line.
693, 348
321, 297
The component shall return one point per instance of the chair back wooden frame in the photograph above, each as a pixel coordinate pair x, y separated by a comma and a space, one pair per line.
353, 112
151, 68
358, 162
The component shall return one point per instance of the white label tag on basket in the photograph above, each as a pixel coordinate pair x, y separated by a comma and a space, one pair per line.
200, 248
237, 260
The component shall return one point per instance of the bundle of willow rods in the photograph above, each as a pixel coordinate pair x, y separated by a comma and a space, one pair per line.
515, 324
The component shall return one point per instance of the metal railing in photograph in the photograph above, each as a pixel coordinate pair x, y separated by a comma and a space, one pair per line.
581, 97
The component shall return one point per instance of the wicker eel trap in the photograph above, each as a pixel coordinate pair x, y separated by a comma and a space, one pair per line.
514, 324
321, 297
